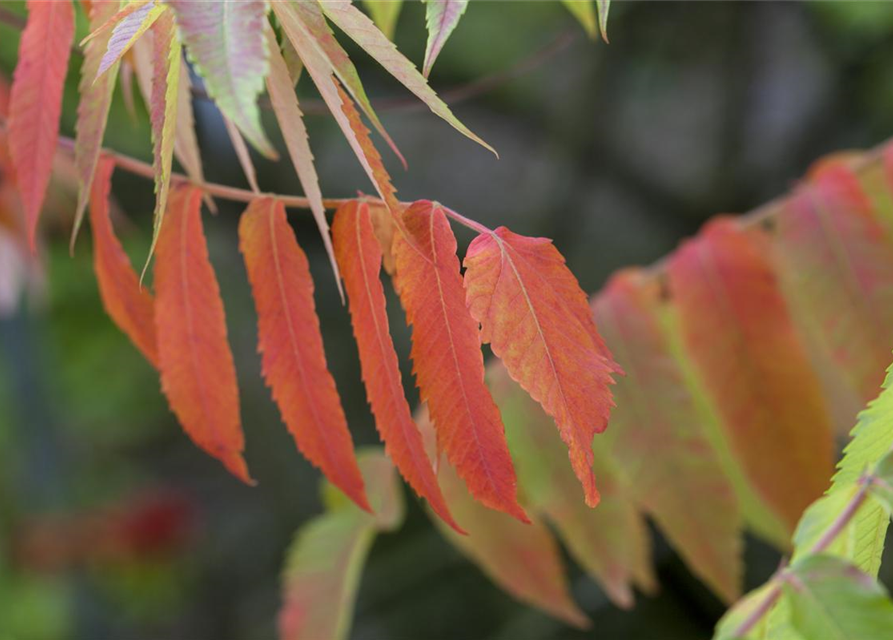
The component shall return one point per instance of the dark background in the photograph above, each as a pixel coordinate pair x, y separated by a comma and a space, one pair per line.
617, 152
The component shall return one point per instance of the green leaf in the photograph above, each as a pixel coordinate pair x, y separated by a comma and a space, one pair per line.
831, 599
882, 484
862, 540
749, 605
584, 12
326, 559
93, 108
442, 17
225, 41
385, 14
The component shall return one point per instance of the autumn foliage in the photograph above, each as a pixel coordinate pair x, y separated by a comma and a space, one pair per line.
723, 371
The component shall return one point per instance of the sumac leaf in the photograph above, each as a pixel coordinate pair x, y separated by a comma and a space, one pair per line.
359, 259
198, 375
446, 354
538, 322
289, 339
130, 306
35, 102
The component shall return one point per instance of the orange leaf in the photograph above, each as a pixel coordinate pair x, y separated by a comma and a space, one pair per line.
359, 260
197, 371
36, 100
131, 307
737, 330
375, 167
446, 352
537, 320
289, 338
662, 439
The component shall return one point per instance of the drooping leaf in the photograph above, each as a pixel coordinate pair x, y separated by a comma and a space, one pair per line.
537, 321
584, 12
131, 6
447, 360
523, 559
442, 17
289, 339
324, 563
35, 102
225, 41
364, 32
242, 153
292, 61
832, 600
737, 329
603, 7
291, 123
166, 53
125, 34
837, 267
359, 259
320, 71
371, 159
319, 36
93, 110
385, 14
186, 148
129, 306
661, 441
198, 375
610, 542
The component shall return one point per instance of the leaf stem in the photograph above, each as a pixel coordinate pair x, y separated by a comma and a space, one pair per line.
760, 611
834, 529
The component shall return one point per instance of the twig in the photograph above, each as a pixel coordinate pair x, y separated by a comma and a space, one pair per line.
830, 534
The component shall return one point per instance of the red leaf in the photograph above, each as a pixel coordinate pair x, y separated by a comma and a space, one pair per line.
839, 271
36, 100
359, 260
537, 320
197, 371
737, 330
449, 367
131, 307
289, 338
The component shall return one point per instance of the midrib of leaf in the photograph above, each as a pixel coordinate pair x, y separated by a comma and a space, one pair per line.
395, 389
286, 312
459, 378
539, 330
185, 254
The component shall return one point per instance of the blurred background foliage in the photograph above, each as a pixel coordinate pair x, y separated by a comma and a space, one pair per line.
112, 524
